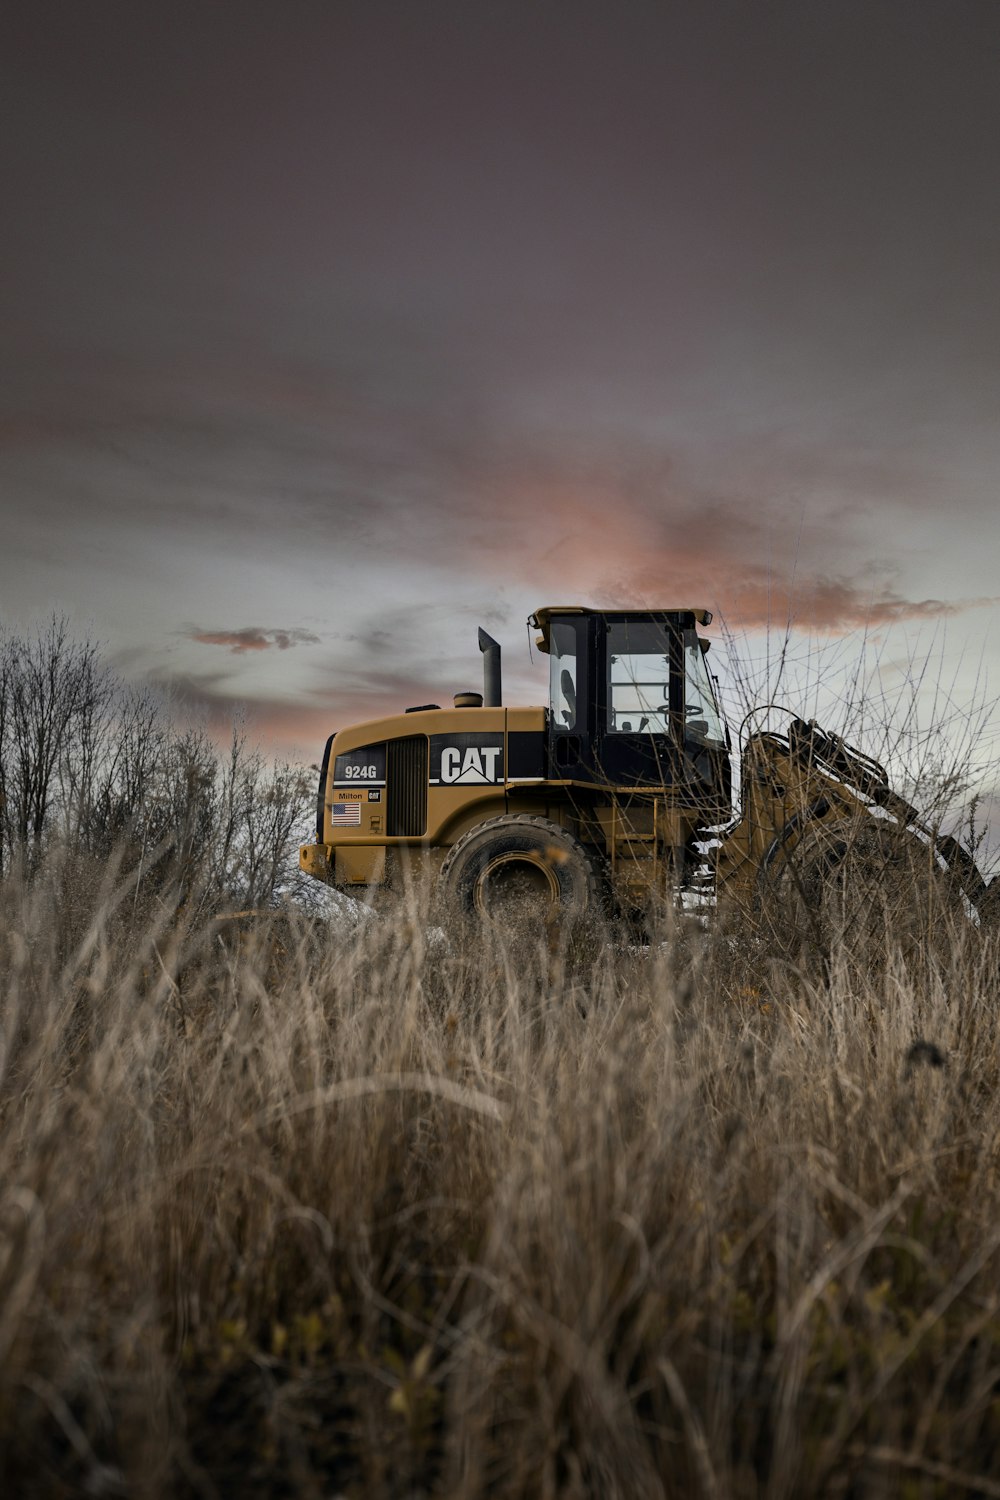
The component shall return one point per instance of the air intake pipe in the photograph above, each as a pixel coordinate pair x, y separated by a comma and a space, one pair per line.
491, 669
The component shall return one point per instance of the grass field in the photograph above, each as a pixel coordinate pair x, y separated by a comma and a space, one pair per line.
293, 1209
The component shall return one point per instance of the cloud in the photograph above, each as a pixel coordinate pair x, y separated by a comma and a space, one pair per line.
391, 658
640, 530
370, 496
212, 700
837, 604
767, 527
252, 638
296, 730
753, 595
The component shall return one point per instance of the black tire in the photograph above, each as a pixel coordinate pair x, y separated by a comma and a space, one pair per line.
867, 881
989, 904
518, 868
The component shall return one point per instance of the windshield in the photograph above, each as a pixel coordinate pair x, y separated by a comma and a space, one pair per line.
702, 721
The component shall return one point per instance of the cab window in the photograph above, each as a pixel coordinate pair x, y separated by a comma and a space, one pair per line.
638, 699
563, 675
702, 720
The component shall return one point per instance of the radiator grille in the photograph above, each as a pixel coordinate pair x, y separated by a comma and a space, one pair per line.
406, 793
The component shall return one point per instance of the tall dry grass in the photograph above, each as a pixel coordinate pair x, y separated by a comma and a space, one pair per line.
295, 1209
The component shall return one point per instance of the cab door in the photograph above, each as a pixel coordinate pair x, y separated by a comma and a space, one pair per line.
570, 699
640, 702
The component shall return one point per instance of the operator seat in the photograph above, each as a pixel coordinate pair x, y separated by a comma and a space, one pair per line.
568, 690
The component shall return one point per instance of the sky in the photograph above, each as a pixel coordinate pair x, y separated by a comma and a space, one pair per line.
331, 331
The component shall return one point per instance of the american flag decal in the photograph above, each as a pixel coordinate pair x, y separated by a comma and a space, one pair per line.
347, 812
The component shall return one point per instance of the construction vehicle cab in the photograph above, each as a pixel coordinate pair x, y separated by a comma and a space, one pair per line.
632, 703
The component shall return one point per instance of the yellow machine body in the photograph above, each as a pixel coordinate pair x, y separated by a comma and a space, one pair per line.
411, 786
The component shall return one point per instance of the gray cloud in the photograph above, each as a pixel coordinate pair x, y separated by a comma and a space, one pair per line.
252, 638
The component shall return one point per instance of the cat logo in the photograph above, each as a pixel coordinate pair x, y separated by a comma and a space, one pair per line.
472, 758
473, 766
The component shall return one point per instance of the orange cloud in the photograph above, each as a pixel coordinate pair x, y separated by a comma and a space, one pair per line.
633, 541
252, 638
752, 596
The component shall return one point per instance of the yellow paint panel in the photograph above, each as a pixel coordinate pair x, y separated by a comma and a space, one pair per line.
359, 864
314, 859
525, 720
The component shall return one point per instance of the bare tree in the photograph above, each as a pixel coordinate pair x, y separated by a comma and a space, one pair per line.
94, 762
181, 817
273, 801
55, 694
114, 803
257, 808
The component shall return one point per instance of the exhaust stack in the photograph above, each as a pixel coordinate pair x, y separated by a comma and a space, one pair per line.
491, 669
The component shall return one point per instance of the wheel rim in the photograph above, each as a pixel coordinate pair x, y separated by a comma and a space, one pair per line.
516, 885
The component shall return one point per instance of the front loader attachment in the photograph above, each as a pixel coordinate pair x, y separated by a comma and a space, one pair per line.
820, 817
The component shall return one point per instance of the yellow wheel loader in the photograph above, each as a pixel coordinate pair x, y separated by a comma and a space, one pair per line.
617, 793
